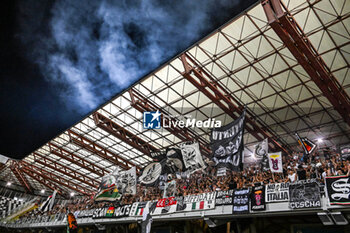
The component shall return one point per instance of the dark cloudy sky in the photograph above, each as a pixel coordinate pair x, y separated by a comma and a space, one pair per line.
60, 60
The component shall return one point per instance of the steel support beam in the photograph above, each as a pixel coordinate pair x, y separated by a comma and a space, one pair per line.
122, 134
20, 177
142, 104
30, 168
104, 153
47, 183
44, 181
79, 161
47, 162
218, 94
307, 56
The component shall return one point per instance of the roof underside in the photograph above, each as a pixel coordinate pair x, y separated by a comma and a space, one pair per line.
245, 56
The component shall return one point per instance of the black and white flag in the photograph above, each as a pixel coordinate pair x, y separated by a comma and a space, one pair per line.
345, 152
257, 155
48, 204
162, 181
173, 161
170, 189
304, 194
147, 218
241, 201
224, 197
261, 151
170, 159
277, 192
192, 157
338, 190
126, 181
122, 211
151, 173
221, 171
227, 144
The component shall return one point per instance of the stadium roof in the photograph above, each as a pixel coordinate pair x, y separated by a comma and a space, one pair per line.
287, 61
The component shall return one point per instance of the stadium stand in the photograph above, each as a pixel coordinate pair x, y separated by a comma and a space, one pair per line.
281, 67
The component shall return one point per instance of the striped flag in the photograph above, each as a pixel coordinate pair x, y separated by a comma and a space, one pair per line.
198, 205
48, 204
139, 211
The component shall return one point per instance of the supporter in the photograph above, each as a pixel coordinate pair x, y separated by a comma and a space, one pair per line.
301, 173
292, 176
72, 223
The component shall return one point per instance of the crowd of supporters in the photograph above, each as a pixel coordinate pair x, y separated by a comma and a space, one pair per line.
295, 167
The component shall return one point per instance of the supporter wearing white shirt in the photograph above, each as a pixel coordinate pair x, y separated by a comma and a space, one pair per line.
292, 176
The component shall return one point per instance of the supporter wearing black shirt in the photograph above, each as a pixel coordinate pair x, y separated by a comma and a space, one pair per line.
313, 174
301, 173
232, 185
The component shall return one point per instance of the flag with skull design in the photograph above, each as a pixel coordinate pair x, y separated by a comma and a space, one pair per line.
227, 144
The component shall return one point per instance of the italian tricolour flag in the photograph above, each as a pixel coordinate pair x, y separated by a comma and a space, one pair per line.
198, 205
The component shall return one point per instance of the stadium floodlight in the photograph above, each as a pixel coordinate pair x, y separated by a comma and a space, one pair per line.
319, 140
8, 183
325, 218
42, 191
339, 219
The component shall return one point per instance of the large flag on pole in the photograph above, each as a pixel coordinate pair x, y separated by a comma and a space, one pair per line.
48, 204
275, 161
108, 190
126, 181
108, 194
227, 144
146, 219
307, 145
192, 157
257, 155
